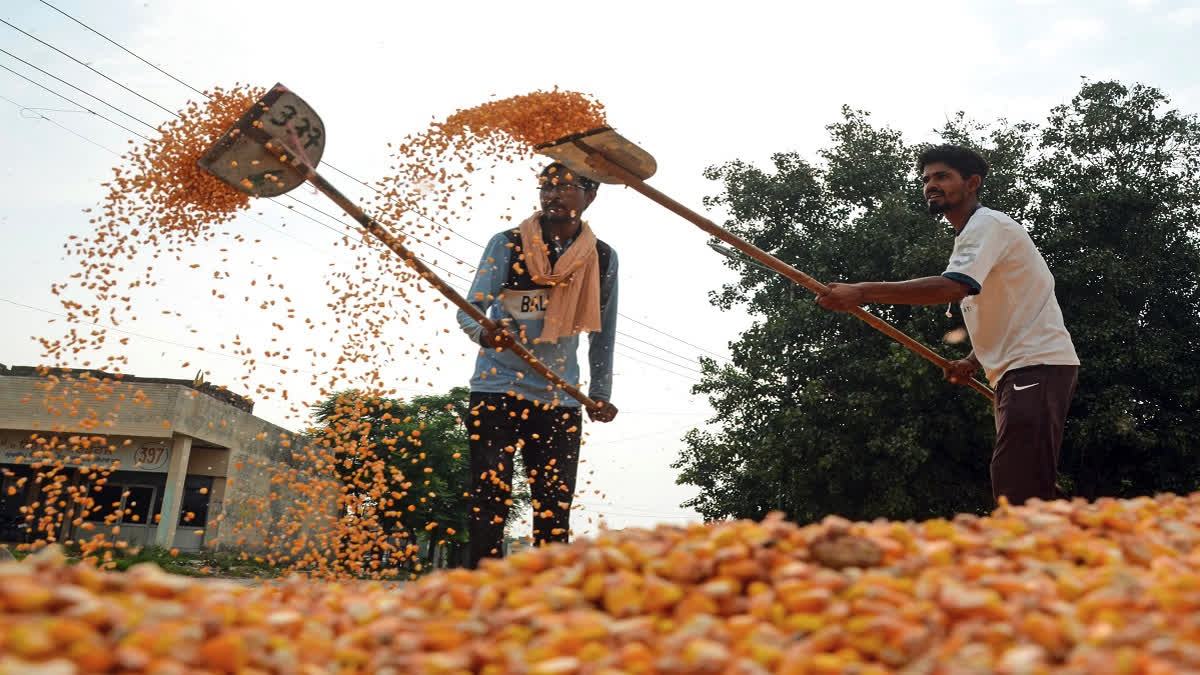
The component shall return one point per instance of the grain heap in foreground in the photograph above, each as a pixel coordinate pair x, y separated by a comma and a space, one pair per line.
1105, 587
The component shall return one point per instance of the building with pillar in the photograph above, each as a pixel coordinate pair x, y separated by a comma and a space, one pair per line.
184, 459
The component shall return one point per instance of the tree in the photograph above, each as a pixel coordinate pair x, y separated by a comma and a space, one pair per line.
818, 413
1117, 205
406, 463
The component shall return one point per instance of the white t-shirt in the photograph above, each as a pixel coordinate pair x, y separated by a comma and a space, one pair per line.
1011, 312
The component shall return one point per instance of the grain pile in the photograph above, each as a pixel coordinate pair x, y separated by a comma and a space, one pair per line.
1108, 587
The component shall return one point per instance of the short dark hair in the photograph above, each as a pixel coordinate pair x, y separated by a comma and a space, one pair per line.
962, 159
586, 183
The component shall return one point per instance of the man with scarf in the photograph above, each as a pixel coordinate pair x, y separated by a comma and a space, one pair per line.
546, 282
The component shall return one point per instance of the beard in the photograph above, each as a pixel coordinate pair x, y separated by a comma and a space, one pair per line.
558, 219
563, 216
937, 208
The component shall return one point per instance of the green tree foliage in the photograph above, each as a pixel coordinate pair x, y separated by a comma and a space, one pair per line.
819, 413
406, 462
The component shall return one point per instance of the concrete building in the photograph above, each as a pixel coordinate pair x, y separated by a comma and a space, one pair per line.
187, 458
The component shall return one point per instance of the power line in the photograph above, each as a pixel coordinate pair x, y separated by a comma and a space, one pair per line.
343, 234
675, 338
155, 339
625, 509
651, 344
61, 110
418, 213
635, 508
114, 152
71, 131
289, 235
673, 429
344, 173
184, 346
414, 238
653, 356
654, 365
122, 48
14, 56
84, 65
663, 413
73, 102
465, 291
609, 512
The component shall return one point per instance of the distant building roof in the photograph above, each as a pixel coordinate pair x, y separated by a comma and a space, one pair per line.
219, 393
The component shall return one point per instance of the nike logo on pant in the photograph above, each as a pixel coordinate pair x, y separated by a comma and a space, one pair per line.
1019, 388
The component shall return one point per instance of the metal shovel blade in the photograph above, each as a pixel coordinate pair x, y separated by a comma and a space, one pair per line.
241, 159
575, 149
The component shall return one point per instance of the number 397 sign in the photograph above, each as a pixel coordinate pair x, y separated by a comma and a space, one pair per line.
241, 159
151, 457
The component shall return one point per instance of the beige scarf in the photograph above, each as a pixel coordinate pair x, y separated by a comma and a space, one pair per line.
574, 281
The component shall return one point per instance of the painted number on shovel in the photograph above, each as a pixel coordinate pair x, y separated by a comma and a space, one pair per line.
304, 128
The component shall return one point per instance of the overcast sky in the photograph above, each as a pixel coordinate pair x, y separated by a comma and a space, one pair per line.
695, 83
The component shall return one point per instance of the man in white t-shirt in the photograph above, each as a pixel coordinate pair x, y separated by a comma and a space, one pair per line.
1006, 294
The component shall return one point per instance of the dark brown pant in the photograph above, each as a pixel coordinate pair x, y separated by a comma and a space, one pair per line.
1031, 412
549, 441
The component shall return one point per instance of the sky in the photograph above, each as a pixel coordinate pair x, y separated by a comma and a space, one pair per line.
696, 84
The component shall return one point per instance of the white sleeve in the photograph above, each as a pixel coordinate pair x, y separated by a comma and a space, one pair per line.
976, 251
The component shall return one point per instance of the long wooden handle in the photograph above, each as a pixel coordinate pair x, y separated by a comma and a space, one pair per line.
383, 235
602, 163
